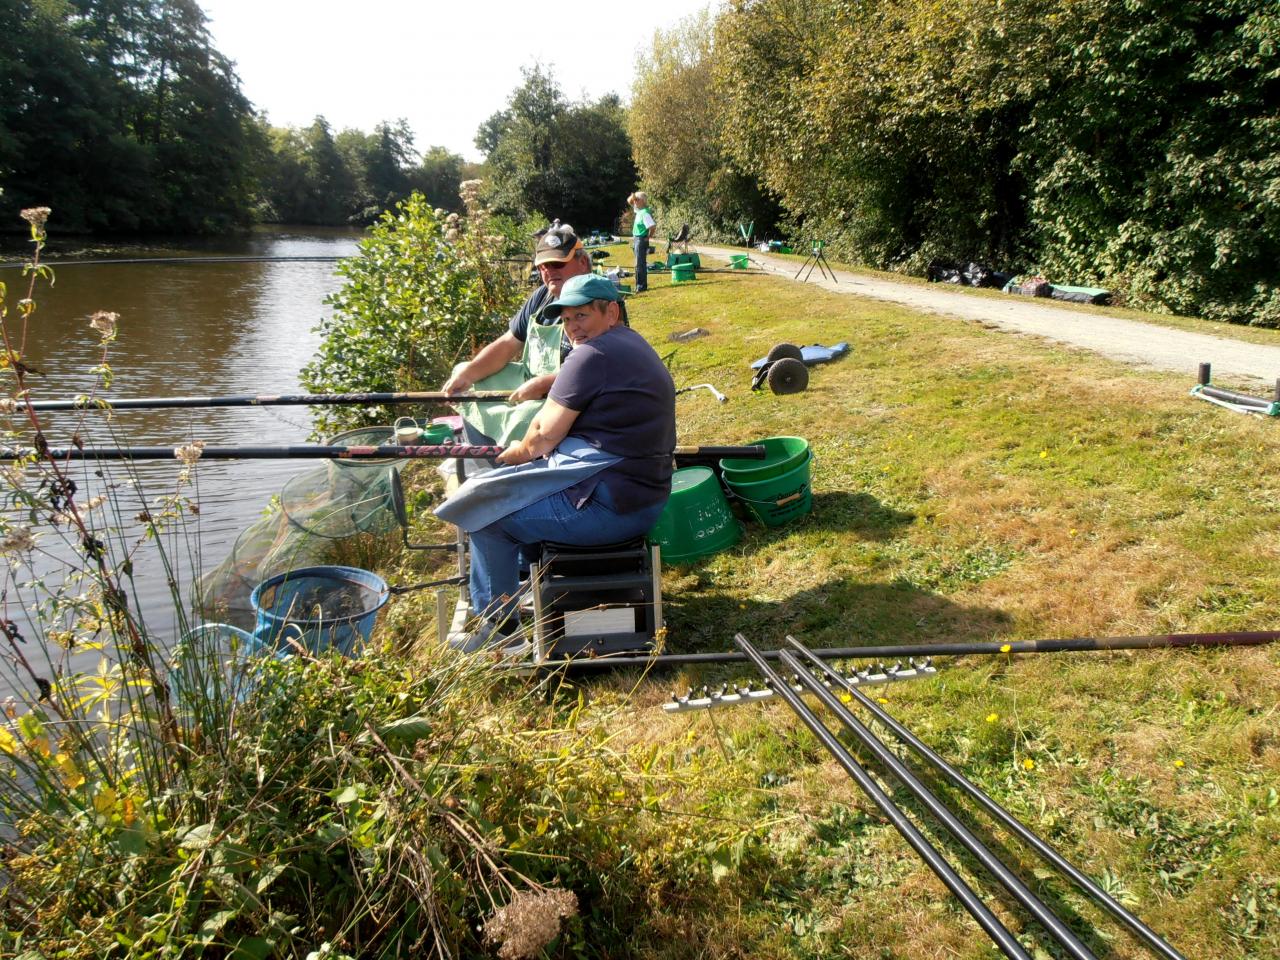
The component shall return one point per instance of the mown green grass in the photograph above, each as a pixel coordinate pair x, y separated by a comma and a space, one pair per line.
975, 485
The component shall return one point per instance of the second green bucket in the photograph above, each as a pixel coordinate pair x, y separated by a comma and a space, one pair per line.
696, 520
781, 455
682, 273
777, 500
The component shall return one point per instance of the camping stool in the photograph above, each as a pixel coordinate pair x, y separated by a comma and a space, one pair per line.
598, 599
680, 241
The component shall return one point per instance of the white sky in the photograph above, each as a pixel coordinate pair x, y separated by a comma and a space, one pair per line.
445, 67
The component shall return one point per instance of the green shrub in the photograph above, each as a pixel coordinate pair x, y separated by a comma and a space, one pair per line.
425, 291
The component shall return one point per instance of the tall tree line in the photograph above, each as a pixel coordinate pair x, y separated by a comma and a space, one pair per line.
123, 116
1131, 143
314, 176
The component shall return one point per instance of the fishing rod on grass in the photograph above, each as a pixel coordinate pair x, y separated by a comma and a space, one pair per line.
1012, 823
432, 451
906, 650
986, 919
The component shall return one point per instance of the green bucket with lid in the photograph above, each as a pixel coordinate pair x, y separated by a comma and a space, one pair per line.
780, 499
696, 521
682, 273
781, 455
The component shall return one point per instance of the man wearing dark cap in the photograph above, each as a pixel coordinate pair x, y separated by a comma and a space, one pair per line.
593, 468
524, 360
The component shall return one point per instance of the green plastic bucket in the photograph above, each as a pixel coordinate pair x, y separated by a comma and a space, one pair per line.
682, 273
781, 455
779, 499
696, 520
739, 261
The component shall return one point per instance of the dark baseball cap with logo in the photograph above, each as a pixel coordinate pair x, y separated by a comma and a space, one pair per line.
557, 245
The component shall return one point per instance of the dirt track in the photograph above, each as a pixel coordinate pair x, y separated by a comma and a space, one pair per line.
1122, 339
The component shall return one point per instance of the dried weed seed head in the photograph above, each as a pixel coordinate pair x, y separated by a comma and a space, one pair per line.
529, 922
36, 216
105, 323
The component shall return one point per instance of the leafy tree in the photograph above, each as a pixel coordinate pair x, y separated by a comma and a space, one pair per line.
438, 176
677, 131
546, 155
123, 114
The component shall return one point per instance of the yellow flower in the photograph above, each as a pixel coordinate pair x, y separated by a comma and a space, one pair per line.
1044, 454
1179, 764
992, 717
7, 742
846, 698
1028, 764
1005, 648
40, 745
882, 699
742, 606
1072, 532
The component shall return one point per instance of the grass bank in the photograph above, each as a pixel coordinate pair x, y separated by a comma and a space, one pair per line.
972, 484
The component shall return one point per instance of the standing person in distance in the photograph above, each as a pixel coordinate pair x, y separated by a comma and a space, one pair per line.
641, 231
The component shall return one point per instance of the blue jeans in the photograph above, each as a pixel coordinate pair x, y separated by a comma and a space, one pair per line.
496, 549
641, 246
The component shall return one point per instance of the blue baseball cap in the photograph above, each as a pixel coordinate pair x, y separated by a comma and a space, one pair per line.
581, 290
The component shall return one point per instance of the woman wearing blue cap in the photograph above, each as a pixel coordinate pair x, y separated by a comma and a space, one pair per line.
595, 464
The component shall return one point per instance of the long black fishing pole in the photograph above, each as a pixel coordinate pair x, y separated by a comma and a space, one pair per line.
438, 451
16, 264
966, 837
1015, 826
902, 651
266, 400
980, 912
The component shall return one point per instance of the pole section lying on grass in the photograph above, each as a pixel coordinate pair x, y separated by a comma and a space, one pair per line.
900, 651
1099, 896
980, 912
268, 400
966, 837
437, 451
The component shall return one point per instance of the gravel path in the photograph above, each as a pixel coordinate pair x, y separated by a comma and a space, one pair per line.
1128, 340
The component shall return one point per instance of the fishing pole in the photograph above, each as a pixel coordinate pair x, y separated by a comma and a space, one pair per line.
266, 400
1099, 896
438, 451
901, 651
330, 258
980, 912
940, 812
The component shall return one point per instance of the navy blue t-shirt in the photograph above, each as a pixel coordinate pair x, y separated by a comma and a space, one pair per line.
626, 405
519, 323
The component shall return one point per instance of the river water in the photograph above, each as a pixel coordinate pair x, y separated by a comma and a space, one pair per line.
184, 329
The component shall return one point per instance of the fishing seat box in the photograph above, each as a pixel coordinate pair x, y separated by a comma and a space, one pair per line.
601, 599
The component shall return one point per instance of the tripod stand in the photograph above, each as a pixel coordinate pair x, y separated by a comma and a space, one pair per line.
817, 259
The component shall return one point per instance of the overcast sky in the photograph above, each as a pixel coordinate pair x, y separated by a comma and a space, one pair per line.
445, 67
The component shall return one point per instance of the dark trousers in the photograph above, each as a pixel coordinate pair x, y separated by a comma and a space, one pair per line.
642, 263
